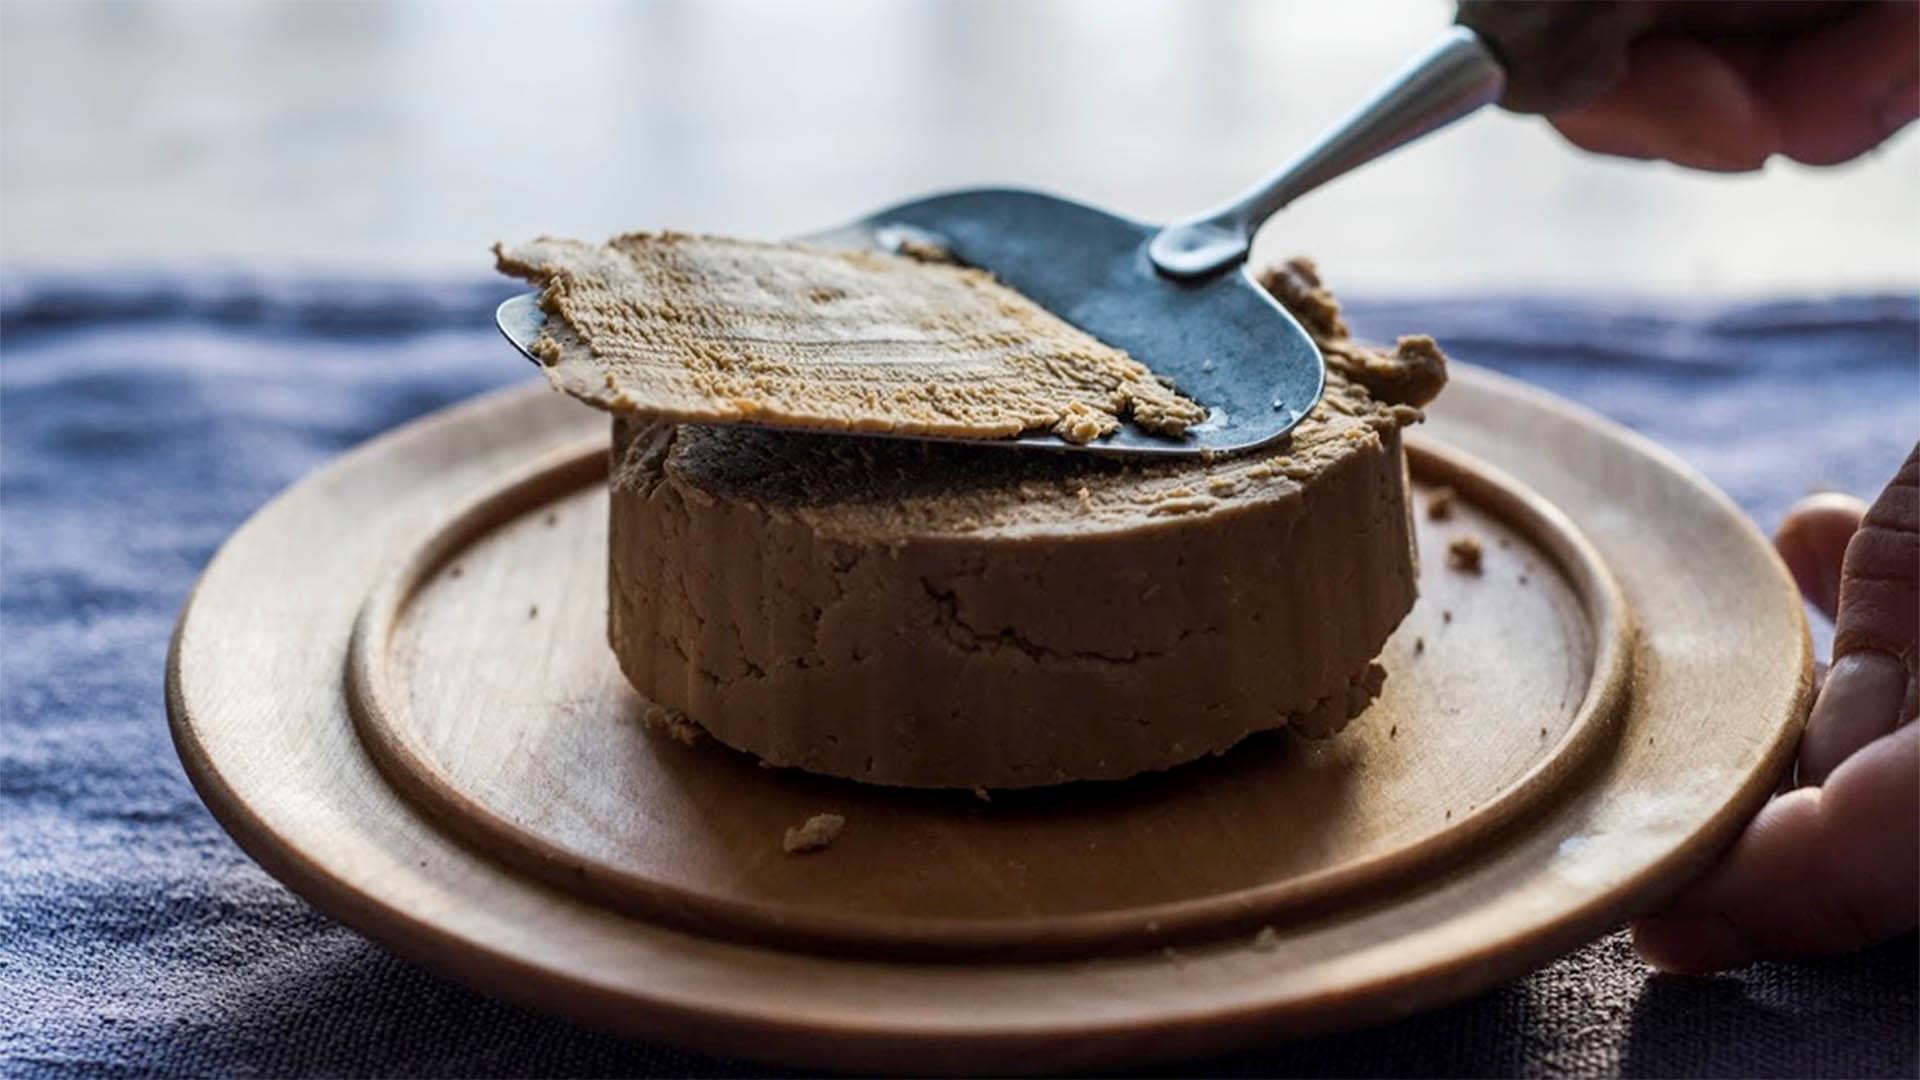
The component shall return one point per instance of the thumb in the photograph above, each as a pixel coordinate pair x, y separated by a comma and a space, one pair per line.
1880, 581
1870, 689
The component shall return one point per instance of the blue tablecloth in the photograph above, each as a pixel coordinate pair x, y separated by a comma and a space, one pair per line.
142, 419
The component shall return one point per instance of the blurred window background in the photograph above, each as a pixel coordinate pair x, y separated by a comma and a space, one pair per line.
408, 136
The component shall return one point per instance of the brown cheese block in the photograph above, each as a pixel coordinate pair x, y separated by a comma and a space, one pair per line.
703, 328
941, 615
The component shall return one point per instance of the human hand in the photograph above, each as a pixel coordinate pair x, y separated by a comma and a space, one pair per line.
1834, 864
1711, 85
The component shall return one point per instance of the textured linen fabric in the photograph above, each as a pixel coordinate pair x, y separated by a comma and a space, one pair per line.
142, 419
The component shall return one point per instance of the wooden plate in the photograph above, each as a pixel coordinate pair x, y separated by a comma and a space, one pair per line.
1528, 779
479, 680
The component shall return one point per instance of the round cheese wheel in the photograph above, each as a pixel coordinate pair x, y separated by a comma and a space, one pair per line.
939, 615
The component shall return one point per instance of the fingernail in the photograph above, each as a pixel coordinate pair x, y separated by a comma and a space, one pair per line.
1691, 944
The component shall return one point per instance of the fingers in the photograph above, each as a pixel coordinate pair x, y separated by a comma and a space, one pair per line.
1812, 541
1682, 100
1821, 95
1834, 867
1880, 581
1869, 688
1840, 90
1821, 870
1859, 702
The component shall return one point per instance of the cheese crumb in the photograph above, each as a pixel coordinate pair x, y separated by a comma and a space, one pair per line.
1463, 554
817, 833
1082, 423
921, 249
673, 724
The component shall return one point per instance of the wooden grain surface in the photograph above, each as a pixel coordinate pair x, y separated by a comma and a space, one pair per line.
1719, 680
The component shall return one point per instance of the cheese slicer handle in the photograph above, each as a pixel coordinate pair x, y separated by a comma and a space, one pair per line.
1453, 77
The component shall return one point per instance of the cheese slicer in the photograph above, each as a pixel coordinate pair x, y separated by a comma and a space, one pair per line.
1177, 297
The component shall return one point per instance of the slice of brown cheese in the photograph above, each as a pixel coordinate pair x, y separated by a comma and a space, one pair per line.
944, 615
690, 328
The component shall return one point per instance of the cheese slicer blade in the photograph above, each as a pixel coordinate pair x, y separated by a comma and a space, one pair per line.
1178, 298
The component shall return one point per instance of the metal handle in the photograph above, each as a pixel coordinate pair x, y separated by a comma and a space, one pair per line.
1454, 76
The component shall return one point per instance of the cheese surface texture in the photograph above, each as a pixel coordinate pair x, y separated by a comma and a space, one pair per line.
668, 326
